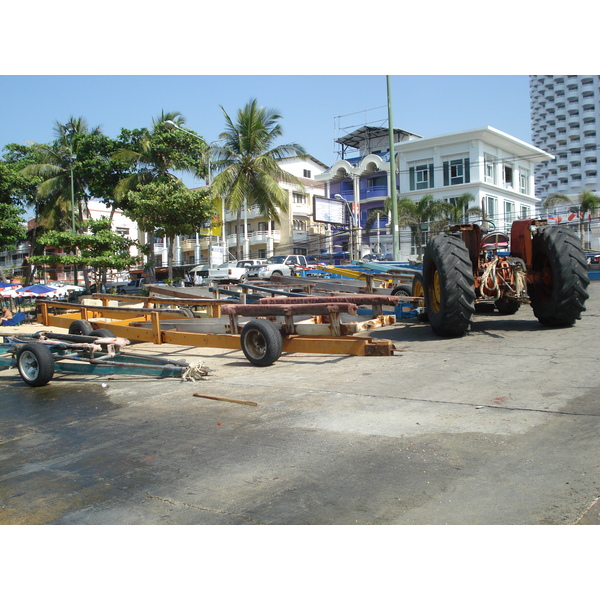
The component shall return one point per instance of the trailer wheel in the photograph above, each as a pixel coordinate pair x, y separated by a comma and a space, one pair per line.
558, 292
261, 342
80, 327
36, 364
448, 285
401, 290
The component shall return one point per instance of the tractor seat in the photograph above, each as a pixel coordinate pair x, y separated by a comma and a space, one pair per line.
494, 240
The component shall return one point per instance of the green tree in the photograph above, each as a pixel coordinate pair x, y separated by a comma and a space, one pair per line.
246, 162
101, 249
156, 154
459, 212
419, 217
587, 203
12, 230
167, 207
63, 193
61, 174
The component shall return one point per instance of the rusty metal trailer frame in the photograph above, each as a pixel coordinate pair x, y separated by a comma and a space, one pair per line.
121, 321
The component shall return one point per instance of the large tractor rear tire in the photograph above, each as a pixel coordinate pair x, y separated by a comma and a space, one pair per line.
559, 268
448, 285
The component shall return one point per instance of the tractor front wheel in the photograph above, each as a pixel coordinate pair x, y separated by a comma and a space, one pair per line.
448, 285
559, 269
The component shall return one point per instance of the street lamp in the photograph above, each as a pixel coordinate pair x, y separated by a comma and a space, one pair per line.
70, 131
353, 224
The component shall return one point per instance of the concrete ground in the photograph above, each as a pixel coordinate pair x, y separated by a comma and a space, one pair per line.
499, 427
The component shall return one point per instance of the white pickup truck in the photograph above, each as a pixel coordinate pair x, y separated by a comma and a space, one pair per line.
285, 265
232, 272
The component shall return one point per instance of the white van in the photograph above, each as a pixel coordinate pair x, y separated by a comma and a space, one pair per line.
198, 274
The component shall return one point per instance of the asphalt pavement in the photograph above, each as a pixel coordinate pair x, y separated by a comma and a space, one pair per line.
498, 427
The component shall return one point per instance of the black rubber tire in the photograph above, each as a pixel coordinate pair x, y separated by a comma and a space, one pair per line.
80, 327
402, 290
261, 342
36, 364
560, 274
277, 273
507, 306
102, 333
448, 285
244, 278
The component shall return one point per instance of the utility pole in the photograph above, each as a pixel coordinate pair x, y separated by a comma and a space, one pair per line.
395, 231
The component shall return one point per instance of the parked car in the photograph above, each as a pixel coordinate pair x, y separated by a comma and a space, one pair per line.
198, 275
229, 272
285, 265
137, 285
66, 286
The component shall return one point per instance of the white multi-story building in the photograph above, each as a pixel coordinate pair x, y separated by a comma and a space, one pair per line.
565, 118
296, 232
496, 168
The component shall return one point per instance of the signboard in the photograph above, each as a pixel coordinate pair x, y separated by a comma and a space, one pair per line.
328, 210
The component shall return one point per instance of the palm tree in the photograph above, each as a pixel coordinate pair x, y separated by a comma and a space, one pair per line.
62, 195
418, 216
588, 203
57, 162
459, 212
159, 152
246, 162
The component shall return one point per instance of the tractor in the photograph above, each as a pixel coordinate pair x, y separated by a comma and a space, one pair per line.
469, 266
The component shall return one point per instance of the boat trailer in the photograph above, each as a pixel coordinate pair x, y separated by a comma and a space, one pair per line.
37, 356
262, 331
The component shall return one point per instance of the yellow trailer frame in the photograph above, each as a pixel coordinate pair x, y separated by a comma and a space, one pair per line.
121, 321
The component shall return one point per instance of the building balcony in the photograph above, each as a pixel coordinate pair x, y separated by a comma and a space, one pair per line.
301, 210
188, 245
300, 237
255, 237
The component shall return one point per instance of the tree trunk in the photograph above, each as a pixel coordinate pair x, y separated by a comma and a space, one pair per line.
238, 242
171, 240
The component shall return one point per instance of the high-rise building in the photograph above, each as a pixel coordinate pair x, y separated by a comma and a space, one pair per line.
565, 119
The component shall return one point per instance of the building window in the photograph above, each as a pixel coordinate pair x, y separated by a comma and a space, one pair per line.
298, 198
307, 174
491, 207
524, 211
456, 171
122, 230
524, 182
299, 251
421, 176
377, 182
490, 169
509, 212
262, 253
508, 176
299, 225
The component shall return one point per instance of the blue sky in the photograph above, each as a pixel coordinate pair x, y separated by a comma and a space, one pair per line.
310, 105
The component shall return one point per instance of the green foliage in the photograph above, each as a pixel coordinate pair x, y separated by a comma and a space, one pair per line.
103, 249
12, 230
459, 212
169, 208
152, 155
418, 215
247, 162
